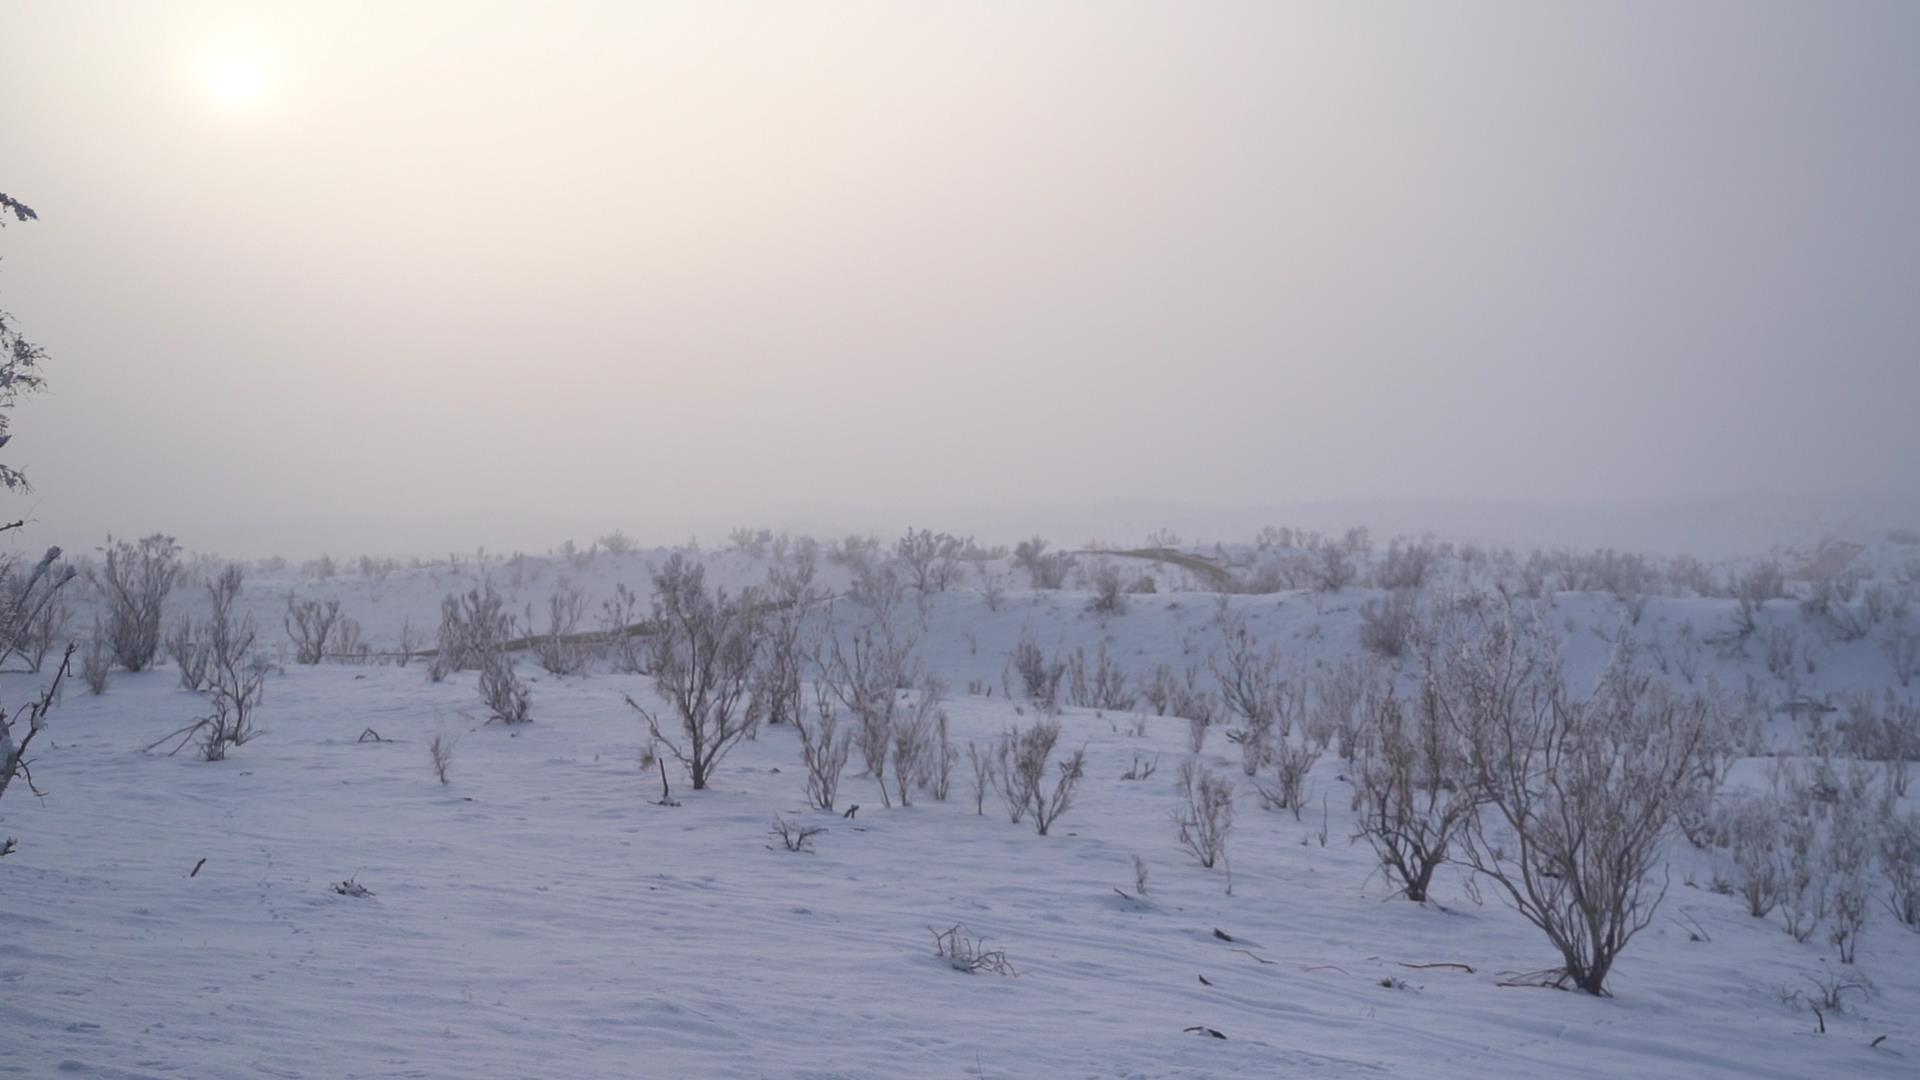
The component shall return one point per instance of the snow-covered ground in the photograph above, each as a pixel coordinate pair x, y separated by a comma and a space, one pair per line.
542, 916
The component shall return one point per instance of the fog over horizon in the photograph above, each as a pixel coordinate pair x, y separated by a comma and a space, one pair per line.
405, 278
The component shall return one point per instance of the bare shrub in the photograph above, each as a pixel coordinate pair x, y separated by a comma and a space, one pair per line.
1900, 863
1109, 590
824, 750
1582, 793
1250, 688
1048, 570
1412, 789
135, 582
19, 728
969, 954
934, 561
1020, 773
865, 673
33, 617
440, 750
703, 658
1205, 816
620, 630
311, 624
937, 773
1103, 687
1404, 567
96, 662
980, 773
1754, 839
618, 542
1849, 857
1332, 568
751, 542
794, 836
236, 680
912, 747
507, 697
1292, 760
1039, 676
189, 656
1901, 647
473, 626
993, 587
1387, 625
407, 644
1780, 643
558, 649
1338, 699
1804, 894
1049, 805
790, 594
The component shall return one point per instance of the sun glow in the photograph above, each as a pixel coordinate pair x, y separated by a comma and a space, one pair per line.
236, 79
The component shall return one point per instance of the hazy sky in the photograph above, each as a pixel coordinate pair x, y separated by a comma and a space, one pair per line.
408, 277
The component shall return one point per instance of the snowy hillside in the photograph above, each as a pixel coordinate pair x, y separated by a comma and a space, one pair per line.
545, 913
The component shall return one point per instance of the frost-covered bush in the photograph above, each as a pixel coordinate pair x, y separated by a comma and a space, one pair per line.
1577, 794
1020, 774
558, 649
1102, 686
1047, 570
1204, 817
312, 625
1412, 789
704, 650
934, 561
135, 581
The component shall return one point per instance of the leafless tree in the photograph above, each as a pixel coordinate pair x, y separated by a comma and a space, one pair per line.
704, 651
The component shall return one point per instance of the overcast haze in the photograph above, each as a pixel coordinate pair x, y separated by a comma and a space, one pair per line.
405, 277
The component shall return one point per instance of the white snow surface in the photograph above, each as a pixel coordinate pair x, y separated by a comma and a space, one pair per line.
542, 917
